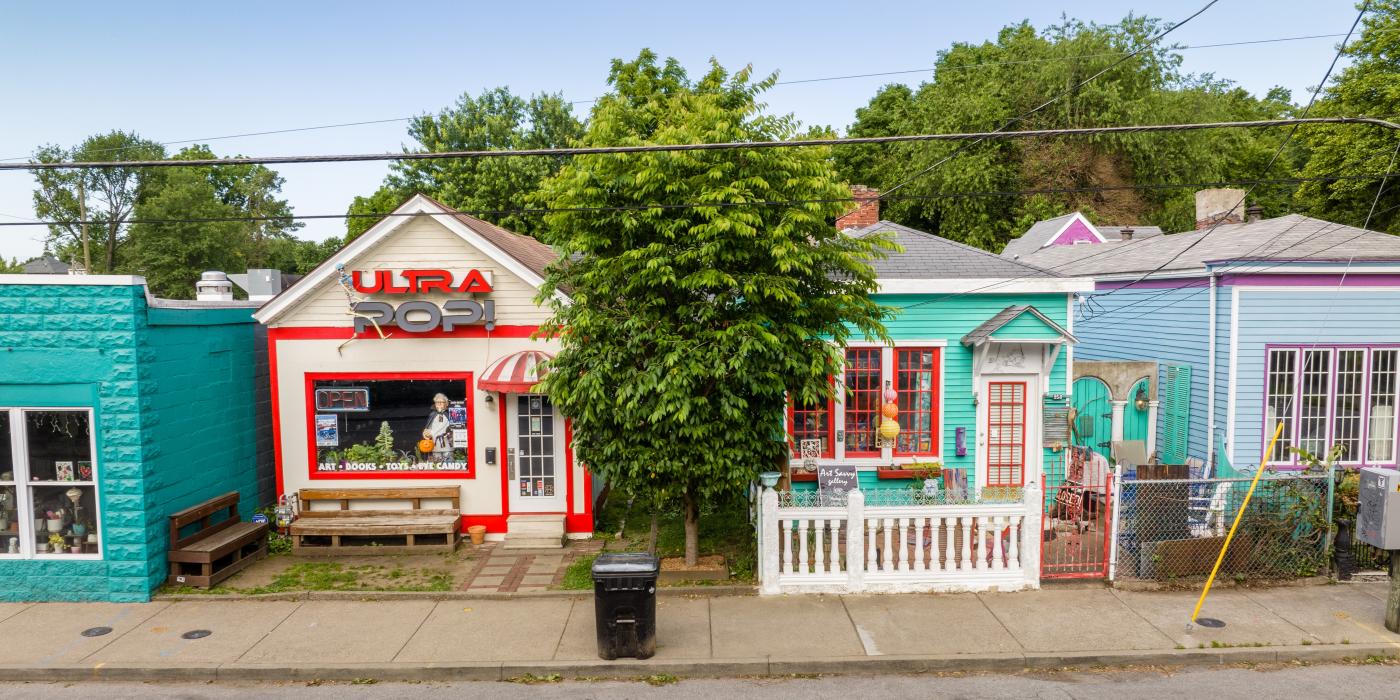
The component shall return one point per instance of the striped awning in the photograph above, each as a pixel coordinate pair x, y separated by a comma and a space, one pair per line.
516, 373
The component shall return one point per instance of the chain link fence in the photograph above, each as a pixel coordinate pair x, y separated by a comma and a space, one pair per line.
1171, 530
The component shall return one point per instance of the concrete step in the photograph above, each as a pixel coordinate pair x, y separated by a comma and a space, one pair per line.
534, 532
533, 543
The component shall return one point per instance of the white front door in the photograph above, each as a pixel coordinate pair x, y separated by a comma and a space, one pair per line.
536, 453
1008, 430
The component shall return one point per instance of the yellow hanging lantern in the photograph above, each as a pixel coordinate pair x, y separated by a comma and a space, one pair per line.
890, 410
889, 429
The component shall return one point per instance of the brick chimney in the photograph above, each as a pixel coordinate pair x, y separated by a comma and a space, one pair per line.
1225, 206
867, 211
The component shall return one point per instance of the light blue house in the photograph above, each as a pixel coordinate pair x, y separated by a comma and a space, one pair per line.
1258, 320
982, 349
116, 410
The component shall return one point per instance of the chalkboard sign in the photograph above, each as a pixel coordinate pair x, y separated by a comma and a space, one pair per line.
836, 479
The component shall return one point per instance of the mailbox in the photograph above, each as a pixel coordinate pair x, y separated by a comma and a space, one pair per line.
1378, 515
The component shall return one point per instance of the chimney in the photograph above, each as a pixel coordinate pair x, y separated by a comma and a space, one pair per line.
1253, 214
1222, 206
213, 286
1126, 234
867, 210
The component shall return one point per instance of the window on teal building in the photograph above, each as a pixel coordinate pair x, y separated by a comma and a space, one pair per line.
48, 484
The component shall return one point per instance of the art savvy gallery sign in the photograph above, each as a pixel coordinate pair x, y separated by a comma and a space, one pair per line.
421, 315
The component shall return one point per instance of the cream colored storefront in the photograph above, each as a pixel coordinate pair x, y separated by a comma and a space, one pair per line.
435, 388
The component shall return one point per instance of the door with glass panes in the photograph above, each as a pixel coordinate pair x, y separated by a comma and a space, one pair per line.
536, 453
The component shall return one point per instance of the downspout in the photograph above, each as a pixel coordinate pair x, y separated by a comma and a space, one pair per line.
1210, 382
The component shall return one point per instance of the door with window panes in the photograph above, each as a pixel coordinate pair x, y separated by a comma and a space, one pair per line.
48, 484
535, 452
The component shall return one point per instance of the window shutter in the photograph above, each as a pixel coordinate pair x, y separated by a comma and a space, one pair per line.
1176, 414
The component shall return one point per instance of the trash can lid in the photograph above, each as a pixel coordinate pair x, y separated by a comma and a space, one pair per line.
625, 564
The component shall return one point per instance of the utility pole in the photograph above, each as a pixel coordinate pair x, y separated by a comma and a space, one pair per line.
82, 217
1392, 603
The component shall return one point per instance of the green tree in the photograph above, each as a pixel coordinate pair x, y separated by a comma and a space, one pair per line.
1369, 86
181, 233
981, 87
493, 120
688, 327
108, 196
11, 267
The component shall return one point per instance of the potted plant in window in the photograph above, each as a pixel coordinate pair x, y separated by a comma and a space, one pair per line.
56, 543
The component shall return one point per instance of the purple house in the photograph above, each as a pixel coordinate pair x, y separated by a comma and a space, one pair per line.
1259, 320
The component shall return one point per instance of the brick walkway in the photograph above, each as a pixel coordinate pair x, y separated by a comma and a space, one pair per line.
520, 570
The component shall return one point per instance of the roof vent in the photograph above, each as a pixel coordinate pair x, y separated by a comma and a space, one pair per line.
1126, 234
213, 286
1253, 214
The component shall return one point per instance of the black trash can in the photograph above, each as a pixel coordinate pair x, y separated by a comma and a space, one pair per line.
624, 604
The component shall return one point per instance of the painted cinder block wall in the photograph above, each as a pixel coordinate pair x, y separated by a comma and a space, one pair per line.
173, 398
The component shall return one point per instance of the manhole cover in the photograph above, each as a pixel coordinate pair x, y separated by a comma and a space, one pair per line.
96, 631
1210, 622
196, 634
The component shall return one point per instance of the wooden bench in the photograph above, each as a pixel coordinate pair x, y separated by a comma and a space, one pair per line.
214, 551
366, 530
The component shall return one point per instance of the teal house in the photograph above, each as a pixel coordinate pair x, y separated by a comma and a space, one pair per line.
116, 410
982, 347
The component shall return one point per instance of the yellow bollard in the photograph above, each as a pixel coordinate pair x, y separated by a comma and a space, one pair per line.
1231, 535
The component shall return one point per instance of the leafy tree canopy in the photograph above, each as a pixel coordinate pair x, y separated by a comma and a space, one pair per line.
493, 120
980, 87
1369, 86
689, 326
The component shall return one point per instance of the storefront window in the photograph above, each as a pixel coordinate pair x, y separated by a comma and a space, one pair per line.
48, 499
391, 426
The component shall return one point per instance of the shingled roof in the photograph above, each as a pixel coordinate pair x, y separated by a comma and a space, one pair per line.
927, 256
1291, 238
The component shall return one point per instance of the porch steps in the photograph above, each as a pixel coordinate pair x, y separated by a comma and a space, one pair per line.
534, 532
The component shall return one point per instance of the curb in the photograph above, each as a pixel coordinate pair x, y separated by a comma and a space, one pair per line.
661, 591
698, 668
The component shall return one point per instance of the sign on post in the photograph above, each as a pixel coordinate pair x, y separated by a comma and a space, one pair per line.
836, 479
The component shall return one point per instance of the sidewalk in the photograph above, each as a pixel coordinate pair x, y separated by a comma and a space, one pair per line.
488, 639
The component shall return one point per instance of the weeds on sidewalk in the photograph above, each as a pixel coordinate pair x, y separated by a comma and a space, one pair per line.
532, 679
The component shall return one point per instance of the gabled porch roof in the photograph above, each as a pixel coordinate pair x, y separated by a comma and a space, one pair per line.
1018, 324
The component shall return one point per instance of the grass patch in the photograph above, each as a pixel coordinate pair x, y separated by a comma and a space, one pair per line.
724, 529
579, 575
532, 679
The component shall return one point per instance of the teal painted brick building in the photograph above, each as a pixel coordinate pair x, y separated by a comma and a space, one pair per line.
980, 345
153, 401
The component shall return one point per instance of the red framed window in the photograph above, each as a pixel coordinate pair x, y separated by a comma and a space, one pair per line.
862, 410
916, 380
375, 425
1006, 433
811, 422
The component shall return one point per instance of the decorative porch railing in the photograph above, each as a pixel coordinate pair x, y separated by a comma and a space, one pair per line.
811, 543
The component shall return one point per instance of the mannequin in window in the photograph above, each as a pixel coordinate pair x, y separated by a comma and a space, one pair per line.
439, 429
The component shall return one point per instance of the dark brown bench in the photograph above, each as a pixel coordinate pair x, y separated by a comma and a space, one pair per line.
214, 551
342, 530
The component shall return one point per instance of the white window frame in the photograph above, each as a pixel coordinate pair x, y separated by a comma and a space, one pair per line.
24, 506
887, 372
1291, 436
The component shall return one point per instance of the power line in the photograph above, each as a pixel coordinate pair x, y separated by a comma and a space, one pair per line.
723, 146
1146, 45
1277, 152
721, 205
910, 71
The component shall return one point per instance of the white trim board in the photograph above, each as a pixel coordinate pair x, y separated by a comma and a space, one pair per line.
985, 285
1076, 216
76, 280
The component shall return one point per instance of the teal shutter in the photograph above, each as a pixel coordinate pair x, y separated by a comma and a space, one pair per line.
1176, 415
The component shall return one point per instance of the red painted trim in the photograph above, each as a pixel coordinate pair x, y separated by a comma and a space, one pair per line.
935, 428
830, 450
276, 412
469, 403
347, 332
578, 523
568, 467
493, 523
1025, 408
504, 456
879, 373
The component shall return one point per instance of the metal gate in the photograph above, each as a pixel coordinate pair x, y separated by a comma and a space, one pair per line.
1093, 415
1075, 532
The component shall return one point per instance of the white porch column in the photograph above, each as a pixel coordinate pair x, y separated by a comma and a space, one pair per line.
1032, 530
1151, 427
1117, 431
768, 572
855, 540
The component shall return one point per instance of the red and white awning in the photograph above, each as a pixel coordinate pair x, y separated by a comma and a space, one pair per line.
517, 372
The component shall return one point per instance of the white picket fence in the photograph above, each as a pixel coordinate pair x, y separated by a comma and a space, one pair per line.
898, 548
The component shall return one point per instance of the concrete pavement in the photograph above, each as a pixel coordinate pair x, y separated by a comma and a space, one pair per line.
697, 636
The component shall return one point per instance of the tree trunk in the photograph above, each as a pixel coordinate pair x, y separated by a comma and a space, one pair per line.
692, 530
651, 536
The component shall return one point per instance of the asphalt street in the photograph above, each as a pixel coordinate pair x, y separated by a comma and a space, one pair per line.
1321, 681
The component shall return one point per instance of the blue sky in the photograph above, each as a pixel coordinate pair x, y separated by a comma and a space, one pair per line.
185, 70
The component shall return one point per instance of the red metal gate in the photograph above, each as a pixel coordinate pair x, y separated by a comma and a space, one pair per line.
1075, 533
